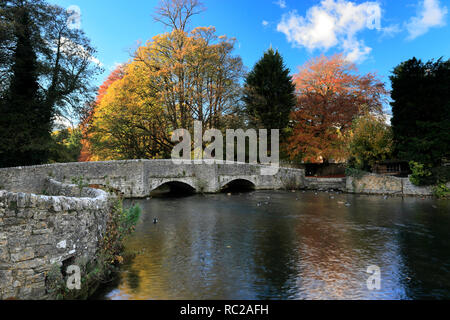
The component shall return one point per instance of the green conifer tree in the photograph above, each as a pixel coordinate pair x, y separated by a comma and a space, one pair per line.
269, 93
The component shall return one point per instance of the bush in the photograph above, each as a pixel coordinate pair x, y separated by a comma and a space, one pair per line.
421, 174
120, 226
441, 191
425, 175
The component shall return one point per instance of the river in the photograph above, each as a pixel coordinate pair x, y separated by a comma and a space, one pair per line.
285, 245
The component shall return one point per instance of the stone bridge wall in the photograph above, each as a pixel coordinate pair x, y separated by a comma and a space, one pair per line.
37, 232
137, 178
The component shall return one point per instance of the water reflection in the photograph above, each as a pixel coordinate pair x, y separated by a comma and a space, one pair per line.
280, 245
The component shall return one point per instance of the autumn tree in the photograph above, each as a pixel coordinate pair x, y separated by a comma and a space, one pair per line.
195, 73
177, 77
330, 94
66, 145
370, 140
87, 118
157, 95
127, 121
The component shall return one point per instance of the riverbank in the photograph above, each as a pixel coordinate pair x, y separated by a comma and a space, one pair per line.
370, 184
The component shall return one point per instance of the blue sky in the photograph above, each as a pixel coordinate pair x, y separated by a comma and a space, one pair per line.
377, 35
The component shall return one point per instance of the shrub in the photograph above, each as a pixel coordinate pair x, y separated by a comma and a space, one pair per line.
425, 175
122, 223
421, 174
441, 191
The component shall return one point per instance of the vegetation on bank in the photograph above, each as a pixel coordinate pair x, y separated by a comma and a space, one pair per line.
94, 273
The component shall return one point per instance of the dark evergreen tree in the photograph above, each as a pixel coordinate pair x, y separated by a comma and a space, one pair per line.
25, 121
269, 93
421, 110
45, 72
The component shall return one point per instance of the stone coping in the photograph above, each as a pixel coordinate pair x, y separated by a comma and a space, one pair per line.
64, 198
157, 161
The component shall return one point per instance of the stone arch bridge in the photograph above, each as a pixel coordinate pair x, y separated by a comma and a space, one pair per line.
138, 178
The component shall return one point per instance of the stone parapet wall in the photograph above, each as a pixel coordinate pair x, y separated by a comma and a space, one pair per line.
375, 184
125, 176
386, 185
338, 184
39, 231
138, 178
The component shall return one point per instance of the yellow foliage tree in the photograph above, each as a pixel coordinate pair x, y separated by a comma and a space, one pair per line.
175, 78
194, 74
370, 140
125, 123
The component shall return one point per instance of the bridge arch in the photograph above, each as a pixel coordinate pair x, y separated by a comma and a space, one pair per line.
238, 185
173, 187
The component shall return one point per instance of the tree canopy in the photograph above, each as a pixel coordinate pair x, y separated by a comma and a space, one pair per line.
269, 93
369, 141
46, 69
330, 94
175, 78
421, 110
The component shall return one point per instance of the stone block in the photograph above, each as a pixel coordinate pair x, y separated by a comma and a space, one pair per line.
30, 264
26, 254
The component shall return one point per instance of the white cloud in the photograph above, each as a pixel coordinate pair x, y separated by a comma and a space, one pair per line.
71, 48
391, 30
265, 23
281, 4
430, 15
333, 23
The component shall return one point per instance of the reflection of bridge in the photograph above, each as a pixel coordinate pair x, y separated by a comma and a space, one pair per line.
138, 178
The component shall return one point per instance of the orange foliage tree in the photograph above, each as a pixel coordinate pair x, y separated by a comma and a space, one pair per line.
330, 93
86, 154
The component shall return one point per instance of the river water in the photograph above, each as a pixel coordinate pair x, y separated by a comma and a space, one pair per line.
284, 245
